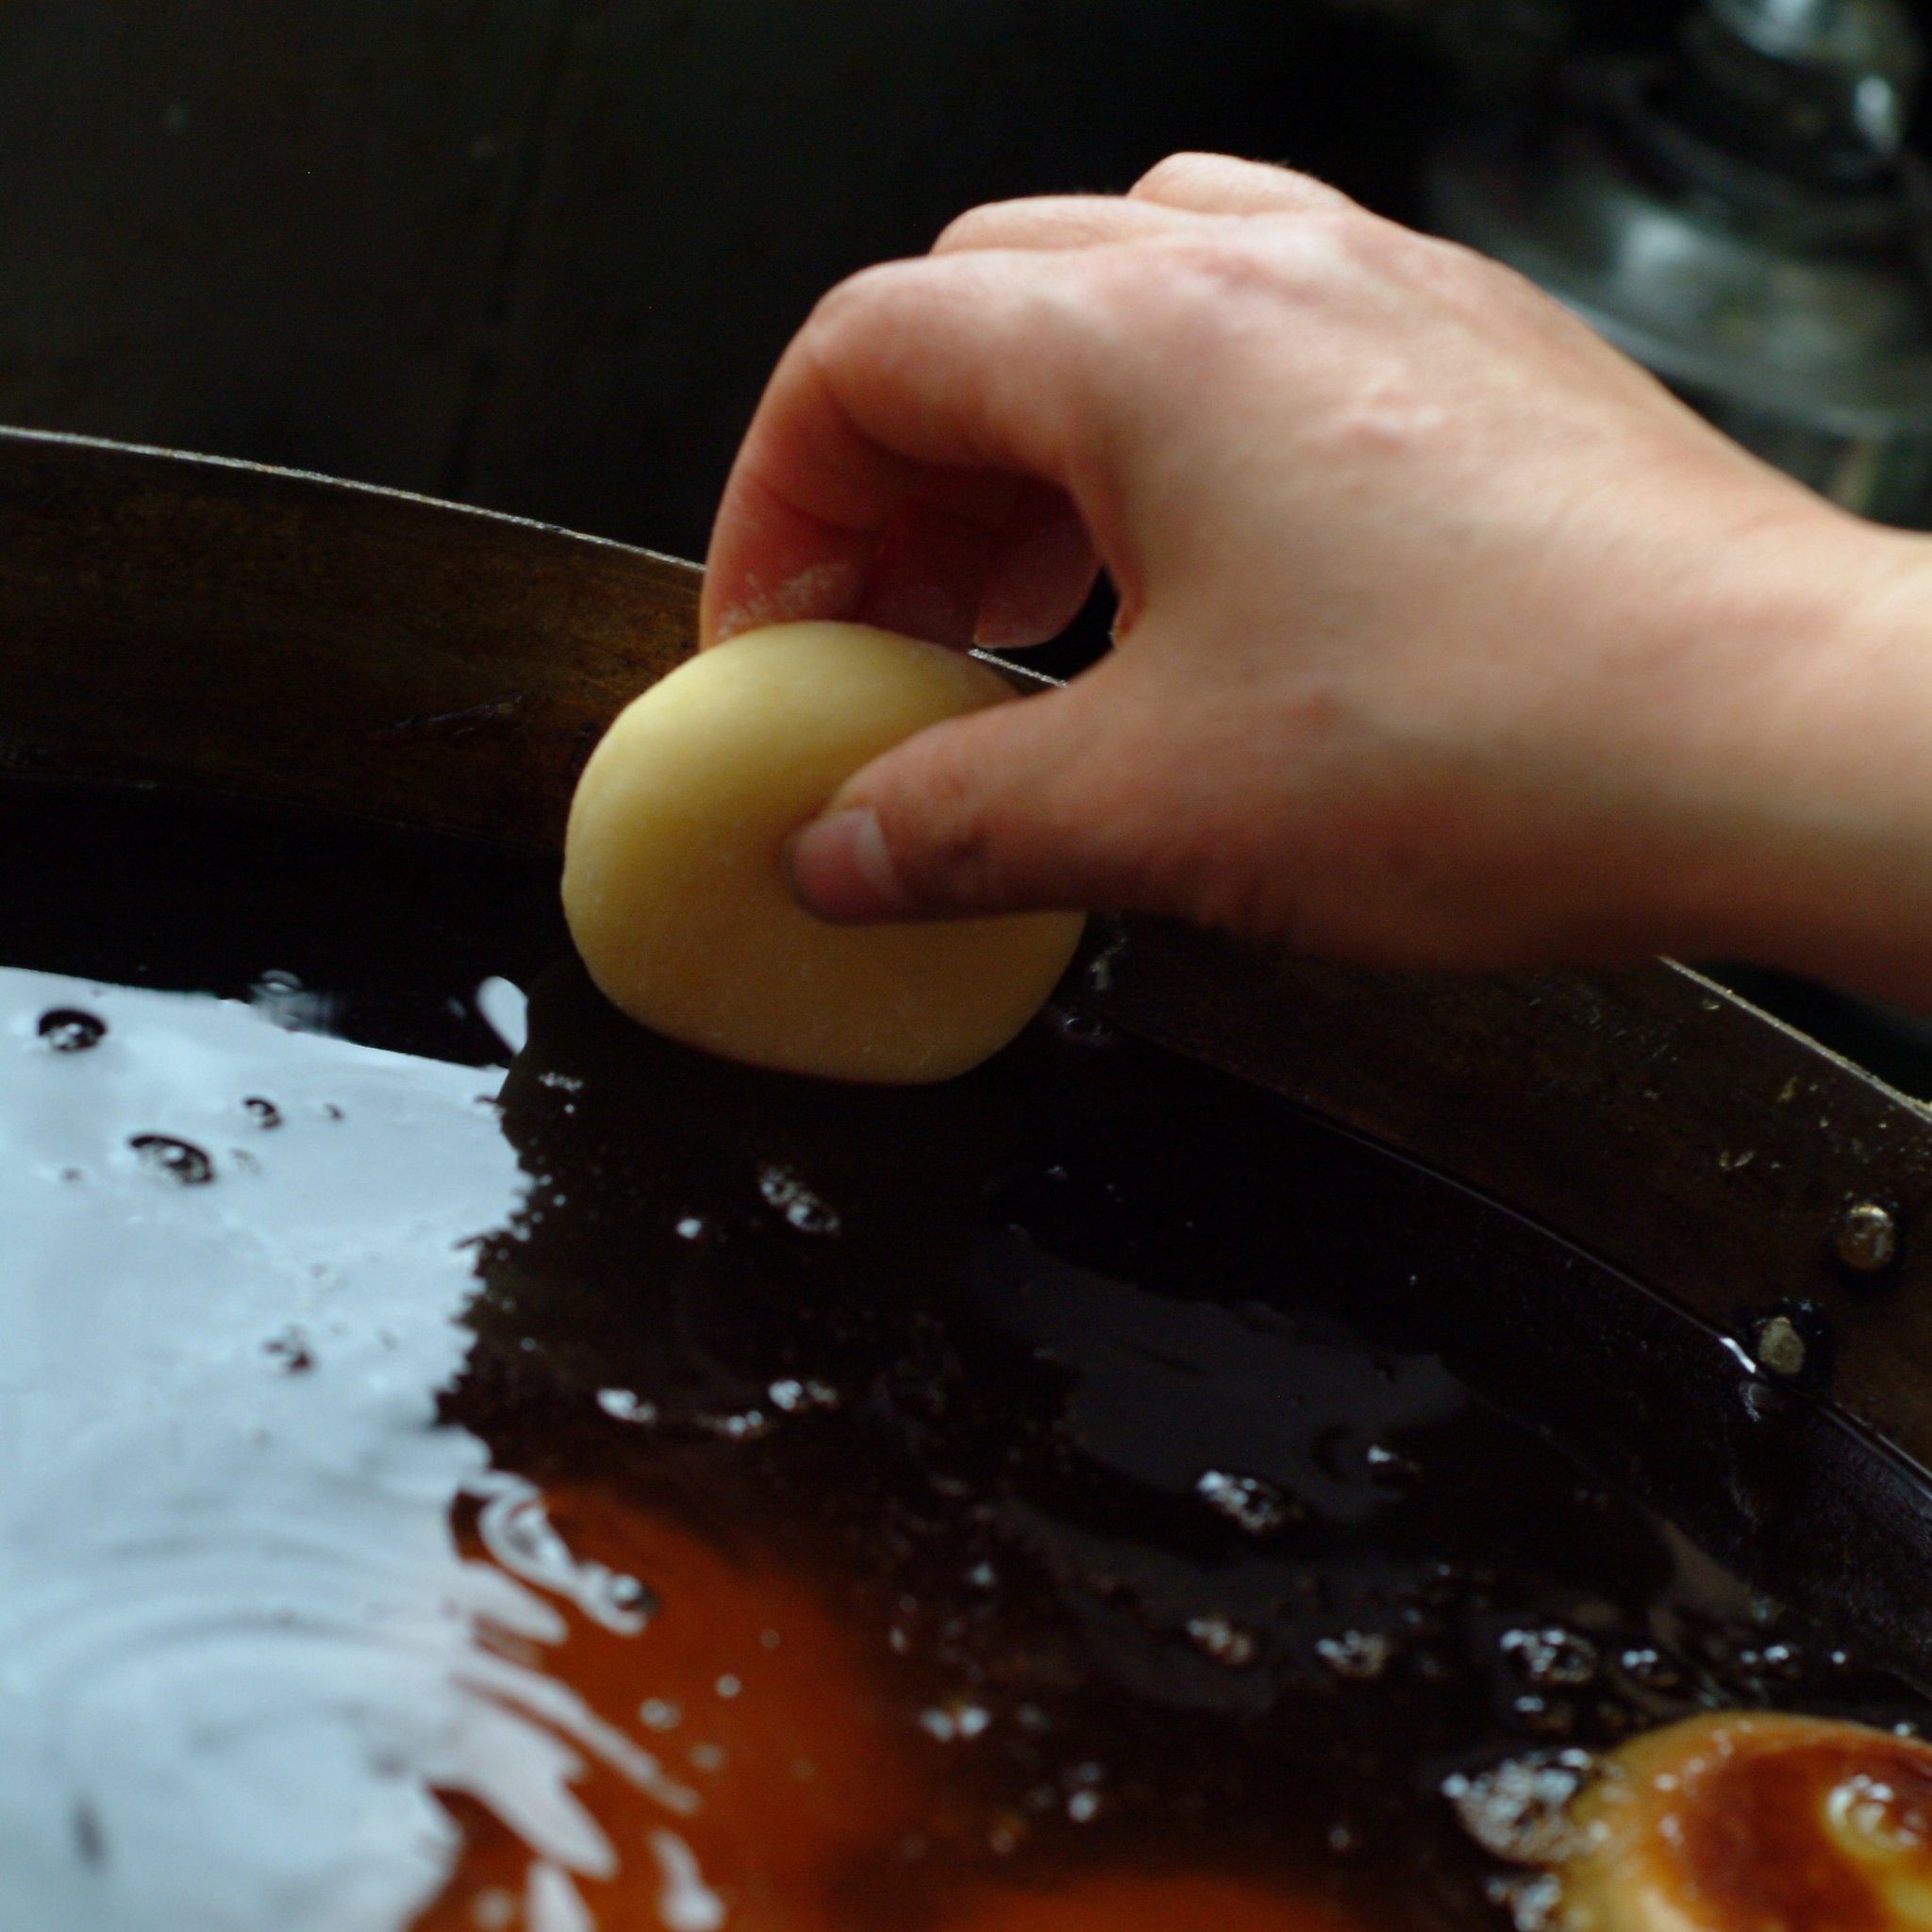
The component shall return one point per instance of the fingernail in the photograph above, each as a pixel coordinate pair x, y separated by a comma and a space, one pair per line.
1001, 629
841, 869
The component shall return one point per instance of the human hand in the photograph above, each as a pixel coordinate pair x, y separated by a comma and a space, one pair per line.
1447, 635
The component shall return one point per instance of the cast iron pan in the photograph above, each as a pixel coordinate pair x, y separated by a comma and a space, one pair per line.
1673, 1236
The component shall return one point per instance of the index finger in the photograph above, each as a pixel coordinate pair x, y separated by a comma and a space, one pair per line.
911, 379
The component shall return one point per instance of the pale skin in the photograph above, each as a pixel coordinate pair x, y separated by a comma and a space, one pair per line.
1447, 637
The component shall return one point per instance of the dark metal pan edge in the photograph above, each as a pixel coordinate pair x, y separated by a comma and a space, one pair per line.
208, 623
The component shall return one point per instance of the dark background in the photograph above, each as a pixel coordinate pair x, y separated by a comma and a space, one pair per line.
539, 254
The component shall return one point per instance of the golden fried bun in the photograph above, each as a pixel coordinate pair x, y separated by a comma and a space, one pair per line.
675, 884
1755, 1822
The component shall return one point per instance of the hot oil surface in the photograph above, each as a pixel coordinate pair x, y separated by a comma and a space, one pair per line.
1041, 1502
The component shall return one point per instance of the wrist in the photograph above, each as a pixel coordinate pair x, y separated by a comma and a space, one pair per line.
1812, 848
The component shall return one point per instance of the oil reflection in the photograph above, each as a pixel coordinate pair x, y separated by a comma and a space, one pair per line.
241, 1648
661, 1493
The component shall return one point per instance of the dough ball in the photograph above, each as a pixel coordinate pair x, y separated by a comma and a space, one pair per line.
1739, 1821
674, 882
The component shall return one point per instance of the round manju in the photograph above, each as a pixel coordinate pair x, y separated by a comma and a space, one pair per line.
675, 883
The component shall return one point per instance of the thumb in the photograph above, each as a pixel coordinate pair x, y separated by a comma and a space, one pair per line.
996, 812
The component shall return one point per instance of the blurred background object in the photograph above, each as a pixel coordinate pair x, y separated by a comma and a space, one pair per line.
1744, 216
1742, 213
540, 254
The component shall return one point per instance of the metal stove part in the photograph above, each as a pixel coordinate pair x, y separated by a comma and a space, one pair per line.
1745, 218
1830, 81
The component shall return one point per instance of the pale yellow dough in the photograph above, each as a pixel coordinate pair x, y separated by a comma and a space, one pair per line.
674, 881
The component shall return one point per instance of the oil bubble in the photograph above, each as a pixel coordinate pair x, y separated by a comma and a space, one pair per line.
625, 1406
795, 1396
181, 1161
1080, 1029
1249, 1502
1359, 1656
517, 1531
1532, 1903
1781, 1661
291, 1349
784, 1191
495, 1910
1103, 967
1224, 1641
68, 1029
1648, 1666
506, 1011
1520, 1812
1552, 1657
685, 1903
1389, 1468
961, 1718
745, 1426
282, 999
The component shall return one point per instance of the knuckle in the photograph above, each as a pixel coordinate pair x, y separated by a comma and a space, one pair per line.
977, 228
1298, 259
1205, 302
1184, 282
1352, 241
1184, 168
861, 319
861, 285
1343, 256
841, 304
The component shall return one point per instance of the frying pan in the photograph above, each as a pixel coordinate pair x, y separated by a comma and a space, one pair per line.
1747, 1340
